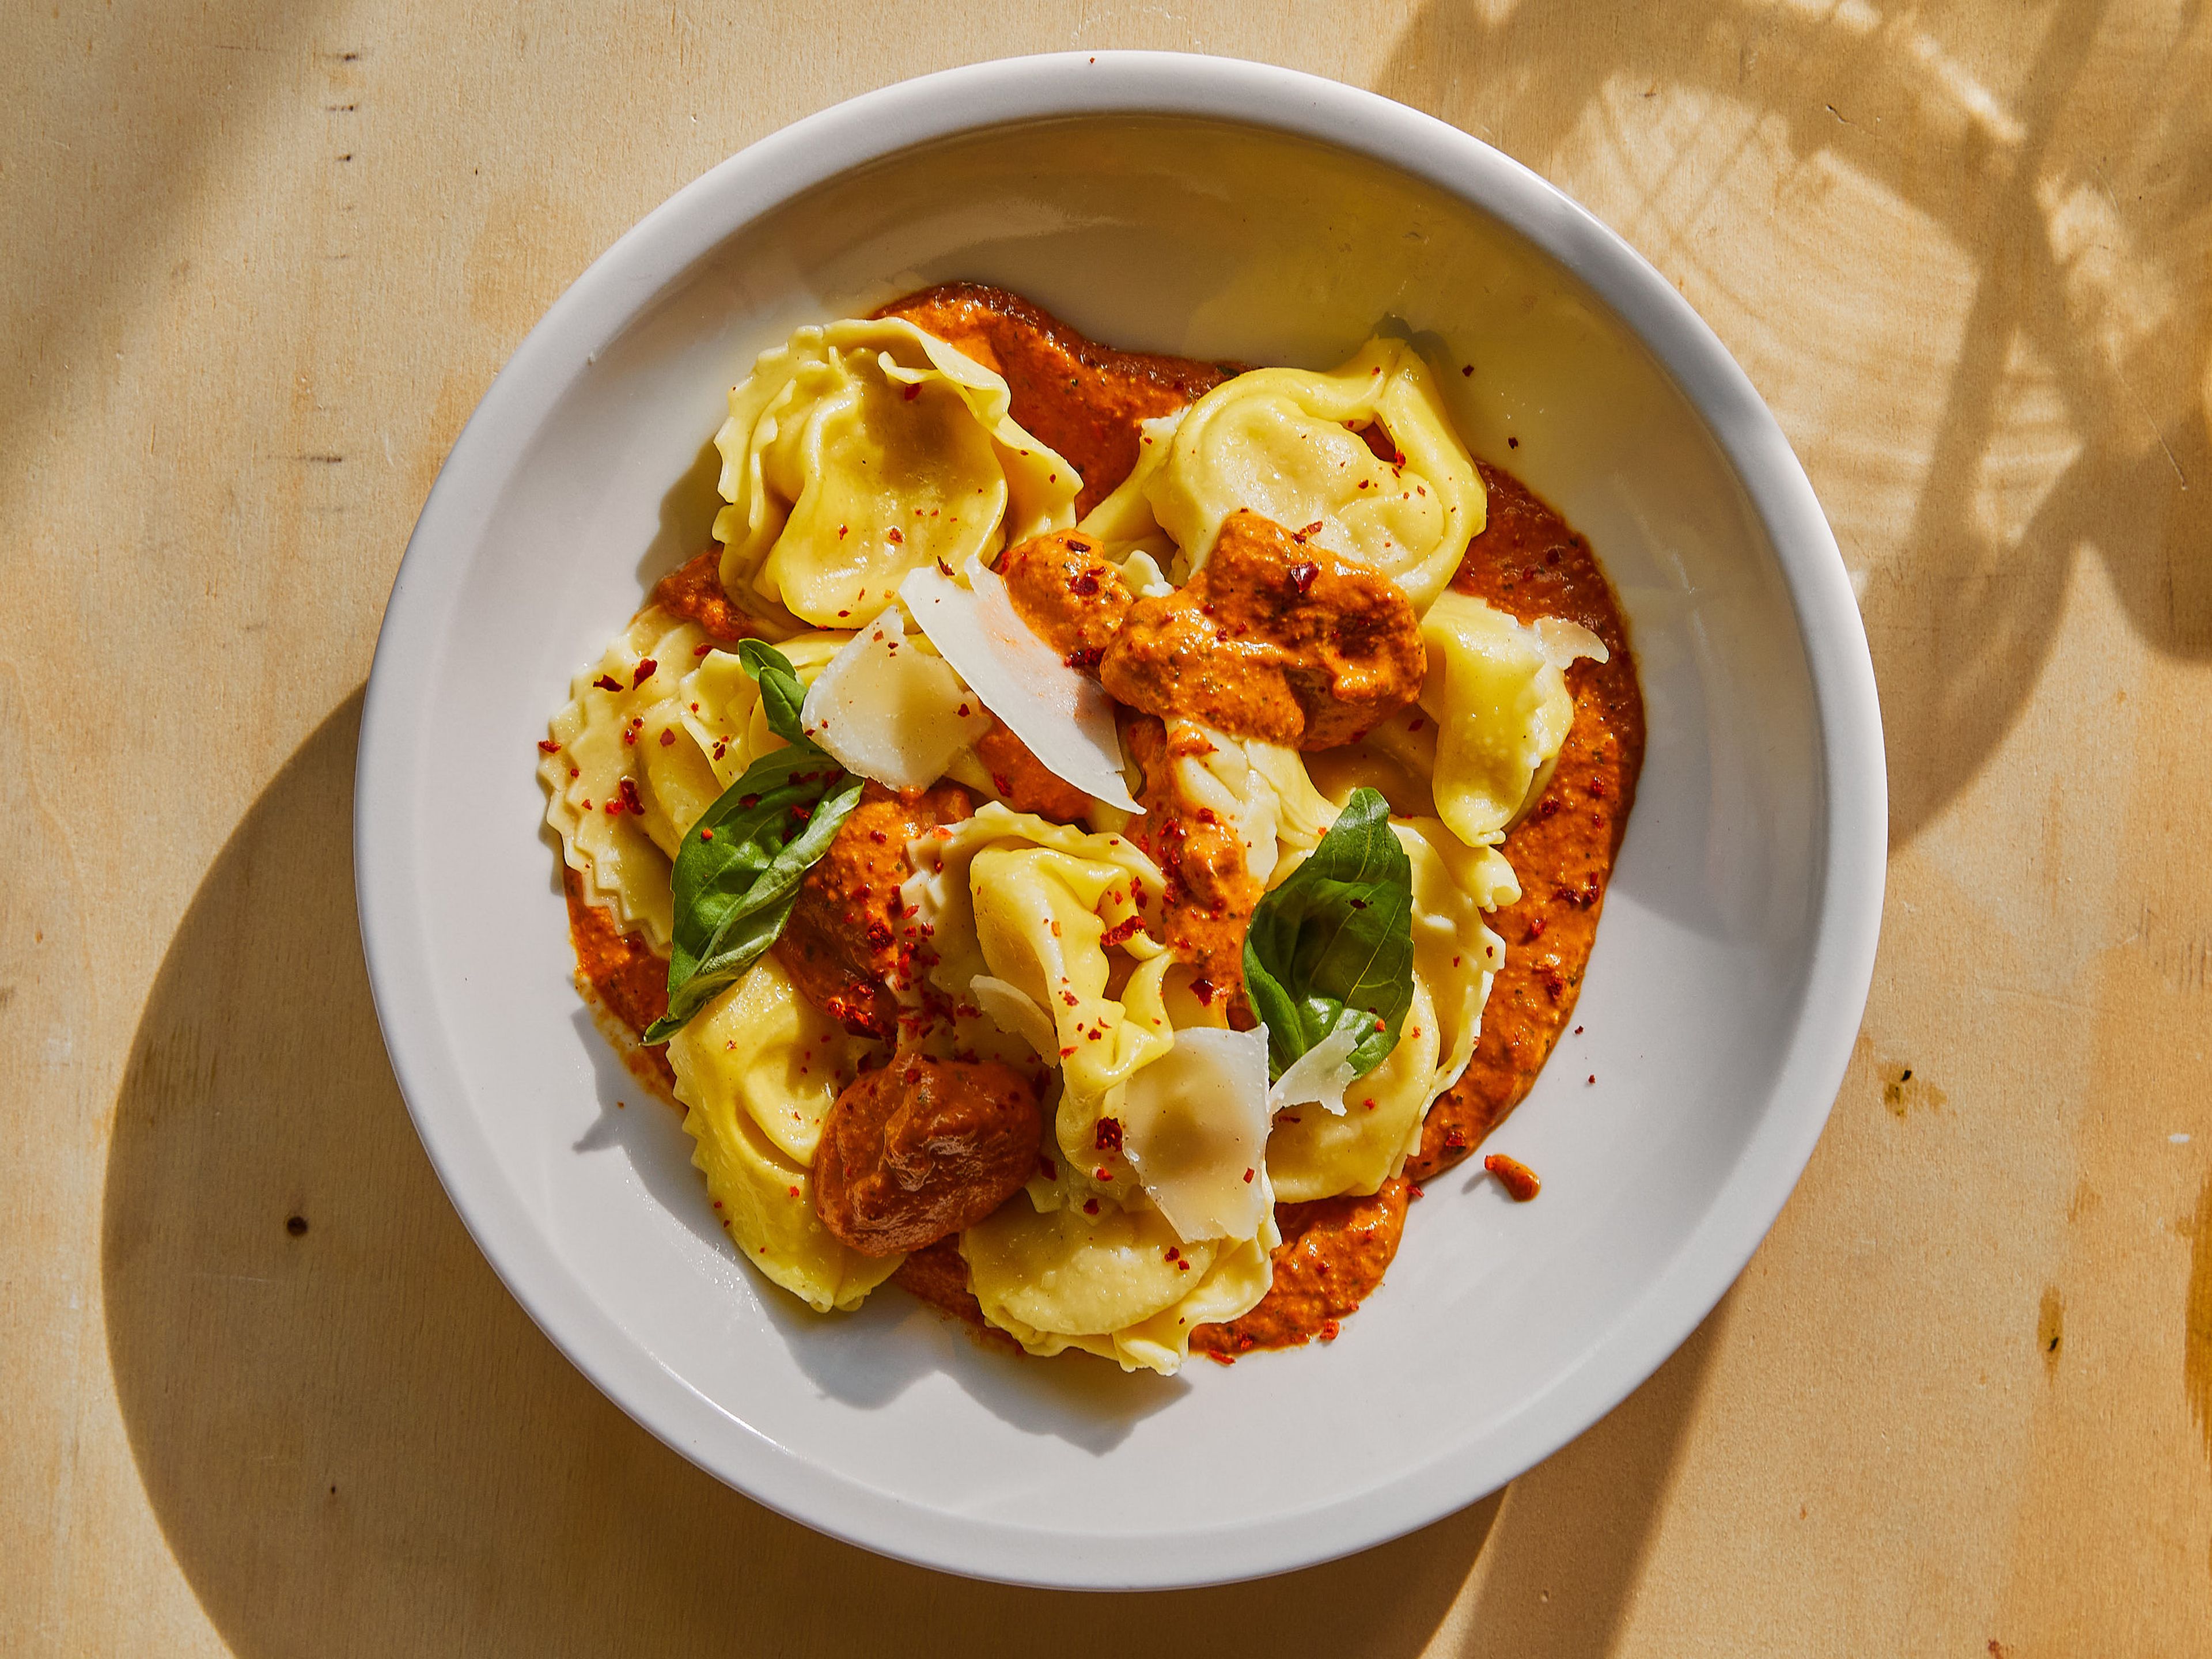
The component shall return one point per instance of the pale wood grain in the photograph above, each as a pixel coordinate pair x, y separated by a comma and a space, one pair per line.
261, 262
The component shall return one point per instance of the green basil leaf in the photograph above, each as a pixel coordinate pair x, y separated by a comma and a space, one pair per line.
782, 694
1332, 947
738, 870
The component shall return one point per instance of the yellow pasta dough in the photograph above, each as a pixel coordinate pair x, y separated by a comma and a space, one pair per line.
1280, 442
859, 450
1118, 1283
1313, 1152
1501, 707
757, 1069
624, 866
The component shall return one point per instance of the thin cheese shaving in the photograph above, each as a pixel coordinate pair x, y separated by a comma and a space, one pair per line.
1562, 641
1195, 1129
1318, 1077
1065, 718
890, 711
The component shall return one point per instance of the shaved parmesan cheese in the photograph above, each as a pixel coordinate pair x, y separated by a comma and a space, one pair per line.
890, 711
1015, 1012
1562, 641
1195, 1129
1320, 1076
1065, 718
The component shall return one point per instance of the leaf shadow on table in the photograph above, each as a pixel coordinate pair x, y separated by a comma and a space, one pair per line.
2073, 202
357, 1442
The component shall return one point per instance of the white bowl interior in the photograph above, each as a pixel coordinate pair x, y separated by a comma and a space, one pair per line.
1215, 240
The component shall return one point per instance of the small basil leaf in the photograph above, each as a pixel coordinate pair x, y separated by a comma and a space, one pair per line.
738, 871
1332, 947
782, 694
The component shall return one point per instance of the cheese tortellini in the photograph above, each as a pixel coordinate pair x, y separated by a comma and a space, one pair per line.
757, 1069
1119, 1283
859, 450
652, 734
622, 855
1283, 443
1498, 694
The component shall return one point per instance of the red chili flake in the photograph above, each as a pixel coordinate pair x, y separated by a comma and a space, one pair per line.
1513, 443
1102, 1173
1597, 789
896, 537
667, 736
1068, 997
1066, 1052
1107, 1137
1091, 1207
629, 797
1578, 1030
614, 808
877, 836
646, 668
749, 800
1330, 1330
1182, 1267
1593, 1077
706, 835
964, 711
1369, 1103
1313, 529
1084, 657
802, 813
547, 747
701, 650
1415, 724
1467, 368
913, 391
1517, 1178
575, 771
1536, 928
1171, 1253
1454, 1140
608, 682
1248, 1177
1219, 1359
1084, 584
1121, 932
1203, 990
795, 1192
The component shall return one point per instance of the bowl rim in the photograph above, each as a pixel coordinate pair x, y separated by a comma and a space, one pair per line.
870, 128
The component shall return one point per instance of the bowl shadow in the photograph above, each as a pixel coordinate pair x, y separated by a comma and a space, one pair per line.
355, 1440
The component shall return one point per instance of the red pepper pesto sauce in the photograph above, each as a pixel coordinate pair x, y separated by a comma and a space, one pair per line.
1086, 400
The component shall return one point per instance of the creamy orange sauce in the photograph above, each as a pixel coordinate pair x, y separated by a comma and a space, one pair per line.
693, 593
1209, 890
1086, 400
1334, 1254
1273, 639
628, 983
844, 946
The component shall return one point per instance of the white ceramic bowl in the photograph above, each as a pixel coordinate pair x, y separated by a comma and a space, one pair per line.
1221, 210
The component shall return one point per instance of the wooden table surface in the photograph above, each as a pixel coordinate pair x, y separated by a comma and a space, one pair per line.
260, 261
